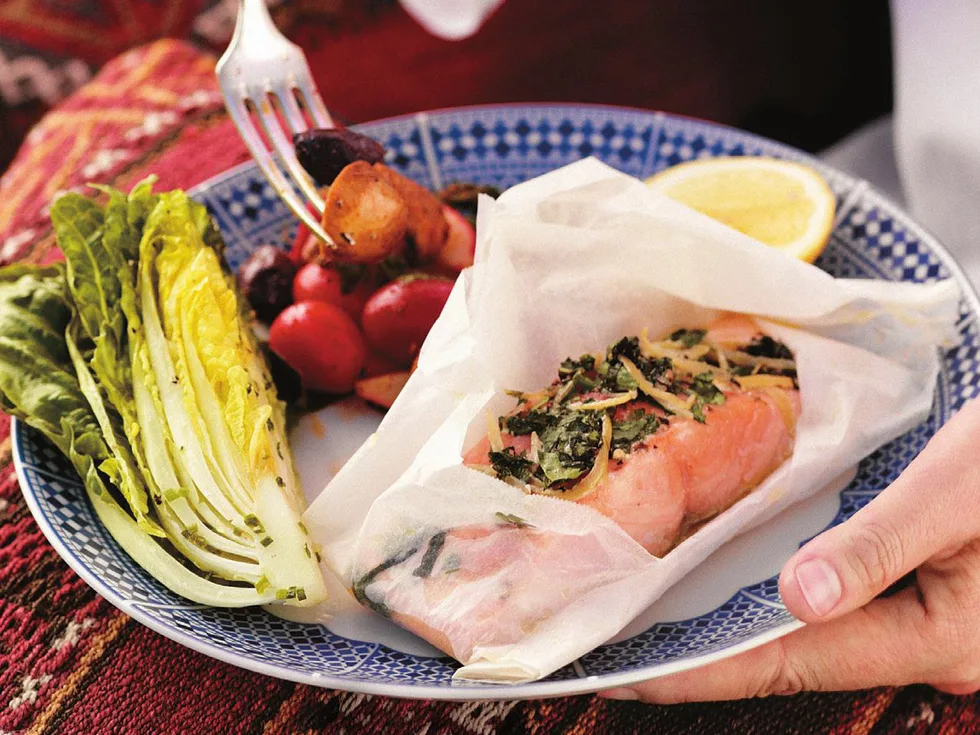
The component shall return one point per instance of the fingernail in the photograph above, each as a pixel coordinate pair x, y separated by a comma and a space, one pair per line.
622, 693
819, 584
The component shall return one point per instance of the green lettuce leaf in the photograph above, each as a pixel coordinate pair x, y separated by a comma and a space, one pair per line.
38, 385
101, 279
213, 387
136, 358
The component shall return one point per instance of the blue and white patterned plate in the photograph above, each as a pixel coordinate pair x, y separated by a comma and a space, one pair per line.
504, 145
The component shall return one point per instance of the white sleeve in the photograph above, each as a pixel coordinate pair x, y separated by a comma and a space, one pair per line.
937, 119
453, 20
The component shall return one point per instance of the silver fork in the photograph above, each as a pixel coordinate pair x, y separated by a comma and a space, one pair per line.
261, 67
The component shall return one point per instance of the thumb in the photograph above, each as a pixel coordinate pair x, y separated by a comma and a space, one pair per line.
912, 520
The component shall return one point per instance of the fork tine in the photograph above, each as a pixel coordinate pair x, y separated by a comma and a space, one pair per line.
314, 103
239, 115
292, 112
284, 148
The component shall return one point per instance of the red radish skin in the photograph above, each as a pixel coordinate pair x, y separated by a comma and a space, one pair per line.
398, 317
296, 252
307, 248
318, 283
460, 246
320, 342
376, 365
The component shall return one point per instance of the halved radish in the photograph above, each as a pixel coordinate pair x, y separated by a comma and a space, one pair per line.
460, 246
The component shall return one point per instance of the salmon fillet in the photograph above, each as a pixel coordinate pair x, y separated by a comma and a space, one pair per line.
658, 447
688, 469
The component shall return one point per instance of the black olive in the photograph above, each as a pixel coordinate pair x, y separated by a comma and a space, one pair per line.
266, 280
463, 196
325, 152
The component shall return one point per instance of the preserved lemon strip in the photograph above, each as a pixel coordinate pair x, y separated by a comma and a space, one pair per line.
617, 399
753, 382
668, 400
493, 433
744, 359
684, 361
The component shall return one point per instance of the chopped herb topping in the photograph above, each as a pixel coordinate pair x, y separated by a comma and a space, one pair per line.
637, 427
586, 363
615, 378
521, 424
566, 439
266, 541
688, 337
508, 463
626, 347
706, 392
360, 586
511, 520
431, 555
293, 593
766, 346
569, 448
262, 584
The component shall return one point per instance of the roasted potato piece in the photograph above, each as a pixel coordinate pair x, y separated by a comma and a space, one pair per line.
427, 225
365, 215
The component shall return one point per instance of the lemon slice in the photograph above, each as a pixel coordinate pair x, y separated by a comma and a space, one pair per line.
783, 204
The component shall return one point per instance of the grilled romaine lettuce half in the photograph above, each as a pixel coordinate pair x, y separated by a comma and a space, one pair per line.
146, 375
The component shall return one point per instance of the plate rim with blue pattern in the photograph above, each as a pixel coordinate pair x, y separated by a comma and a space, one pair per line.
502, 145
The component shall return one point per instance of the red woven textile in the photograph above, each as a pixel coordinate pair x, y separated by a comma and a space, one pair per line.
70, 663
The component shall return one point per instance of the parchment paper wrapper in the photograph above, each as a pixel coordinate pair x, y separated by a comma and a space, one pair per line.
568, 263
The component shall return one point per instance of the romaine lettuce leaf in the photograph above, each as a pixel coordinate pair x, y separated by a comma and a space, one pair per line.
101, 279
220, 405
137, 360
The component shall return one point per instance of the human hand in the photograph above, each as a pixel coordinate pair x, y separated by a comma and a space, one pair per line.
928, 520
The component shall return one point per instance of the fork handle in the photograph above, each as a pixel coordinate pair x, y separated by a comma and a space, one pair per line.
255, 22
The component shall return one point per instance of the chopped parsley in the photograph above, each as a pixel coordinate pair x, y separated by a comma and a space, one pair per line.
688, 337
705, 389
521, 424
431, 555
633, 429
626, 347
586, 363
766, 346
569, 448
508, 463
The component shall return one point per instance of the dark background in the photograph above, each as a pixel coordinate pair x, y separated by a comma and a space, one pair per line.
805, 73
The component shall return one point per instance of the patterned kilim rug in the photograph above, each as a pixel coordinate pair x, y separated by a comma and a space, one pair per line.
71, 663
